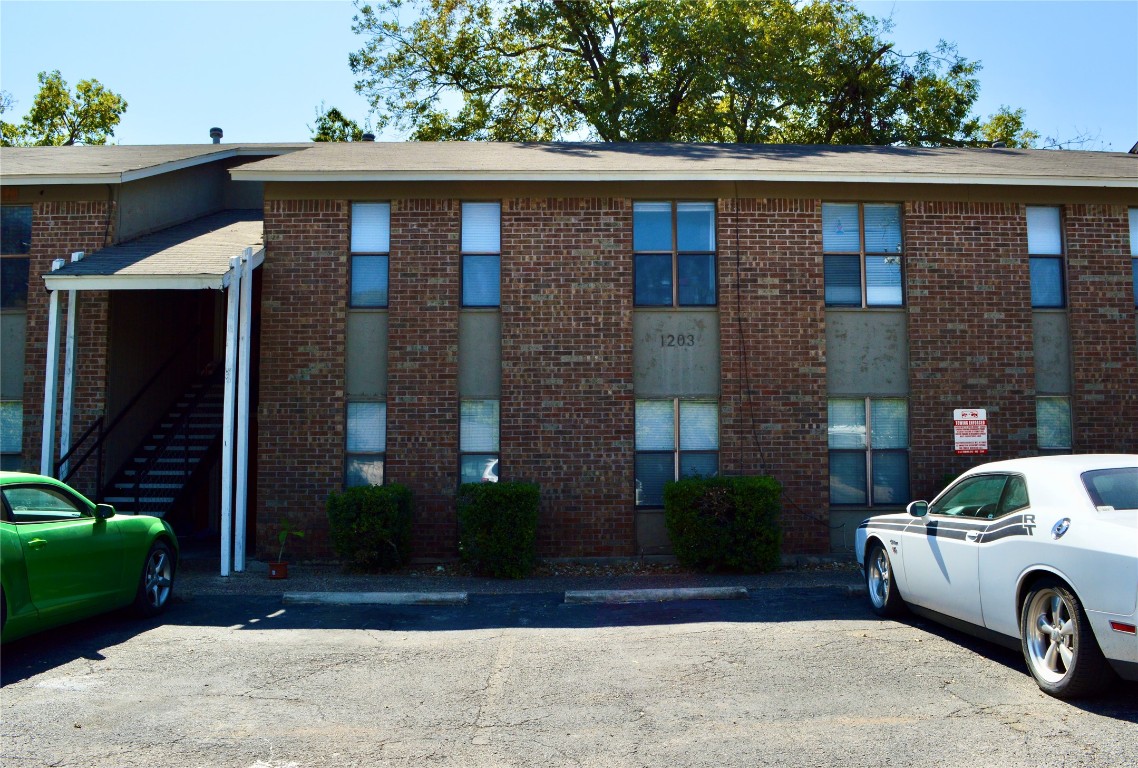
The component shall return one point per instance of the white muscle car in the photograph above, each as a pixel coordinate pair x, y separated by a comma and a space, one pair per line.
1038, 553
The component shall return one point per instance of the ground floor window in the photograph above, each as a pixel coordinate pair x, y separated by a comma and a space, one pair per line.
478, 441
869, 451
11, 434
674, 438
366, 443
1053, 424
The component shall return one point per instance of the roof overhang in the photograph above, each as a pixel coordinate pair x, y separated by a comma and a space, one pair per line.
148, 282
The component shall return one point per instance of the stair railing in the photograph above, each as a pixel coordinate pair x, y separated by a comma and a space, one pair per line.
103, 433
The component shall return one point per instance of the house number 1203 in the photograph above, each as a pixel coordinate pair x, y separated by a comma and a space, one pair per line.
677, 340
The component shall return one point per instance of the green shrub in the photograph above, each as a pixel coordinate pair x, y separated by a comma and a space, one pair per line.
725, 523
497, 527
370, 526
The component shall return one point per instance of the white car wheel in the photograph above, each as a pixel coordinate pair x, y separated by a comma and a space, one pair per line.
883, 594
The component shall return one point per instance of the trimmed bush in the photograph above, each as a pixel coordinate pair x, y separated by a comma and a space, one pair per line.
725, 523
497, 527
370, 526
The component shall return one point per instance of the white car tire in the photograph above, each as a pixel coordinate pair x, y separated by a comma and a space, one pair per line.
884, 597
1058, 643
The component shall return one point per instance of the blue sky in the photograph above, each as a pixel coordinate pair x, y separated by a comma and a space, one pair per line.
260, 70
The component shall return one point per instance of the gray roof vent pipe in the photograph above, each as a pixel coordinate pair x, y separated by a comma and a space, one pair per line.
368, 137
216, 134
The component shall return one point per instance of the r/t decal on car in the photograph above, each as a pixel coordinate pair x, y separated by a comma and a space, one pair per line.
1029, 524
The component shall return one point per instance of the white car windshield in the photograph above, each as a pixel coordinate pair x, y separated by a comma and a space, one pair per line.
1113, 489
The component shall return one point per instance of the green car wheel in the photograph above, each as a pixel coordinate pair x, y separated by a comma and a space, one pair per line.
156, 583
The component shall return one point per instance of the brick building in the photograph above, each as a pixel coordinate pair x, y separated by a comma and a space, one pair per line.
595, 318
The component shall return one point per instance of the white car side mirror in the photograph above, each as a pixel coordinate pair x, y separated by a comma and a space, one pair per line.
918, 508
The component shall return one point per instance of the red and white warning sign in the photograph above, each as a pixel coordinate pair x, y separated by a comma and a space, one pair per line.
970, 427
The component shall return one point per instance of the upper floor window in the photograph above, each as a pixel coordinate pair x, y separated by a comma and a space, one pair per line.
1045, 251
869, 451
15, 243
674, 245
1134, 251
861, 245
371, 246
481, 254
674, 439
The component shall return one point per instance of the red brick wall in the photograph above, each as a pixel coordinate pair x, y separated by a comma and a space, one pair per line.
422, 367
772, 339
58, 230
567, 416
1101, 300
970, 333
301, 407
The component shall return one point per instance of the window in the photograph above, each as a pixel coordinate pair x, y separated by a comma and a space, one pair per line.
15, 243
1134, 251
674, 261
478, 441
481, 254
983, 496
1112, 488
11, 433
40, 504
371, 245
1045, 251
1053, 424
861, 246
366, 444
674, 439
869, 451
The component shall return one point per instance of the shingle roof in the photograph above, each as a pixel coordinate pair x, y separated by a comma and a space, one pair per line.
191, 255
116, 163
491, 161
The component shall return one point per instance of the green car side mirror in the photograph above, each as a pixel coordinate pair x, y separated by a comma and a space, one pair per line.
104, 511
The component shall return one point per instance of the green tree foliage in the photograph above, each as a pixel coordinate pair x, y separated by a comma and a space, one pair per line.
60, 118
333, 125
661, 70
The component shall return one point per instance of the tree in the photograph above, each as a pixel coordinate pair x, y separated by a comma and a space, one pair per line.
661, 70
58, 118
333, 125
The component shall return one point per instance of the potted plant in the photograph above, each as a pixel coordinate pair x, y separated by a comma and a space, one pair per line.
279, 568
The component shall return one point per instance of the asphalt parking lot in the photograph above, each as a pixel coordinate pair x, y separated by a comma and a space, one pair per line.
796, 672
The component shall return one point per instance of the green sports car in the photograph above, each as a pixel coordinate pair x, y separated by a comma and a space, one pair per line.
63, 558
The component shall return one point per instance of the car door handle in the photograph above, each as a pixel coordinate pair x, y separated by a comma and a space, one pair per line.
972, 535
37, 543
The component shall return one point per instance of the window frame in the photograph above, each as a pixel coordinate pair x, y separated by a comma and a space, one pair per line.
863, 254
350, 455
868, 451
369, 254
465, 255
494, 456
22, 260
677, 452
676, 255
1059, 259
1002, 509
1132, 215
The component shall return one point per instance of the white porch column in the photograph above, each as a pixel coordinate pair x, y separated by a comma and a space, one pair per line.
233, 296
243, 410
51, 380
69, 375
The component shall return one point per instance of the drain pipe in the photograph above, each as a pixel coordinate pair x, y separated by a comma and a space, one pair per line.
51, 379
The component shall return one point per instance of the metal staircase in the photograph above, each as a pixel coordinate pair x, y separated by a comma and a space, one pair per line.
164, 469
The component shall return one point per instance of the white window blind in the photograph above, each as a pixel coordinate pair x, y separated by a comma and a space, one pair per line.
840, 233
367, 427
371, 227
481, 228
1044, 233
478, 430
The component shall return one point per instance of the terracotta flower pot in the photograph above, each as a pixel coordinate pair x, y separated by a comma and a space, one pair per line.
278, 570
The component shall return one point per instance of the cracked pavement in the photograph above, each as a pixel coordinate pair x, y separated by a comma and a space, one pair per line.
795, 675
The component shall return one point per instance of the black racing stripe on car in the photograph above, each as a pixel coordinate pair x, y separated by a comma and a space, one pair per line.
1004, 533
880, 526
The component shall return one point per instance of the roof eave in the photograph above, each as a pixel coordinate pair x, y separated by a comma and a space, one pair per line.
632, 175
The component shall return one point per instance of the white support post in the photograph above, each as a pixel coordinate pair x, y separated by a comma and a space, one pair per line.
233, 295
244, 352
69, 375
51, 380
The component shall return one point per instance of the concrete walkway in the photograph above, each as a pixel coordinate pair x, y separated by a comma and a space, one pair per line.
619, 583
